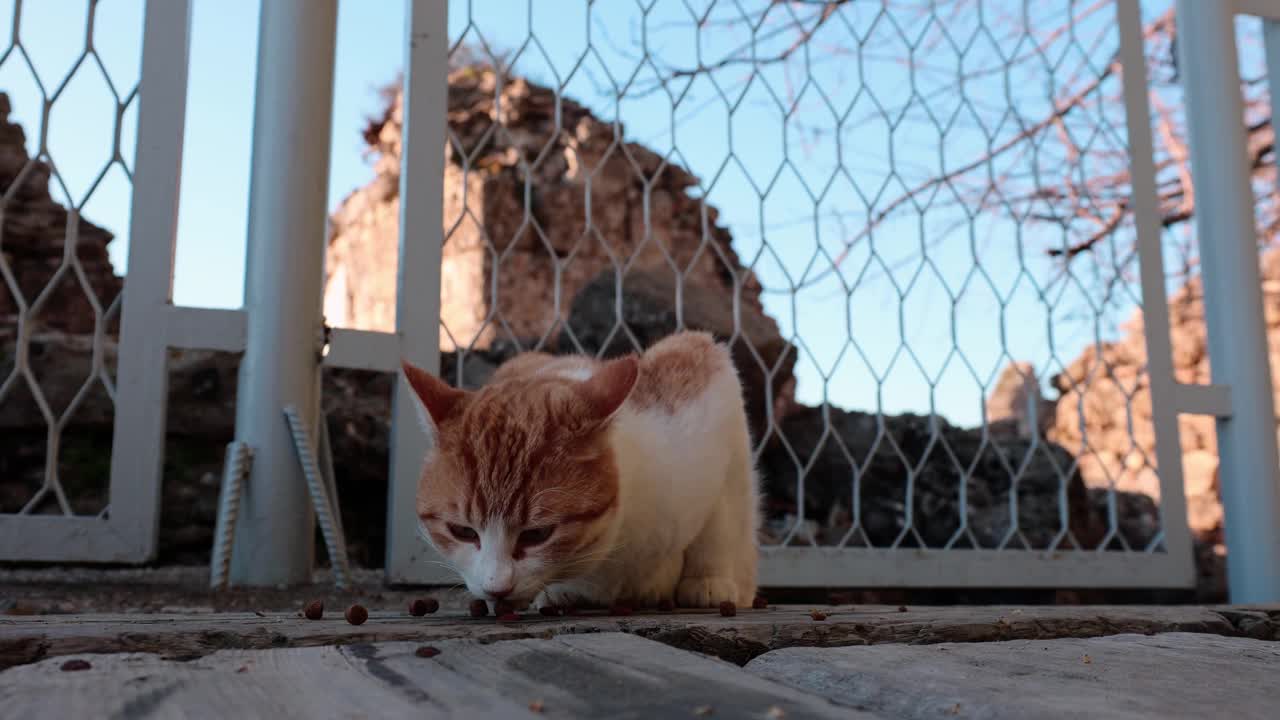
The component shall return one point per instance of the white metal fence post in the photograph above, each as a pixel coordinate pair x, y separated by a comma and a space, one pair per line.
137, 454
1249, 470
1155, 303
418, 283
287, 217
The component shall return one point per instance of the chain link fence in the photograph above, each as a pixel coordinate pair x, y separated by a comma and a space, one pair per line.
910, 222
913, 223
69, 110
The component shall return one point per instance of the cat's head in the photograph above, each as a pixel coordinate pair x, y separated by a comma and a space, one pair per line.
521, 489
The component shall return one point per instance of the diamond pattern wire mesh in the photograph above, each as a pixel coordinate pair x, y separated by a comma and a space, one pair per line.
70, 96
919, 195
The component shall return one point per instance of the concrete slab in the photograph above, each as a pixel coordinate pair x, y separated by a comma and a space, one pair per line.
25, 639
1174, 675
609, 675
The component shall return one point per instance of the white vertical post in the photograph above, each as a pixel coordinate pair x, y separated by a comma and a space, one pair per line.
426, 70
287, 220
1249, 469
142, 381
1155, 305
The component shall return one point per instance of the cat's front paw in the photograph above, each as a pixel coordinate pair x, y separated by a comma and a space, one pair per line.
552, 599
703, 592
563, 598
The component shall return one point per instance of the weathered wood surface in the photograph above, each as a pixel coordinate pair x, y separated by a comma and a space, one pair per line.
607, 675
1126, 677
737, 639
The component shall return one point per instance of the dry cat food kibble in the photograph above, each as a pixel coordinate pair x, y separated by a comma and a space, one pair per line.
427, 651
728, 609
817, 615
356, 614
314, 610
75, 665
759, 603
478, 608
423, 606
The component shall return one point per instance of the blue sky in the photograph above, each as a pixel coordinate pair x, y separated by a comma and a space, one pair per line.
788, 218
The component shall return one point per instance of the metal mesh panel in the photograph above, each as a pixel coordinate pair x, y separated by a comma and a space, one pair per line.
889, 210
70, 101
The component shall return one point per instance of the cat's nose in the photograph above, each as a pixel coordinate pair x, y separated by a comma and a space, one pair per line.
498, 593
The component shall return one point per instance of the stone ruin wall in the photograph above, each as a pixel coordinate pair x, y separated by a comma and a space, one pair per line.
1115, 373
495, 153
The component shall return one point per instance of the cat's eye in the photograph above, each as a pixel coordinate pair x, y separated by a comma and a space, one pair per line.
535, 536
463, 533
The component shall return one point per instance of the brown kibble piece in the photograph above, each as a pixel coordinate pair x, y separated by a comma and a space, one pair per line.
817, 615
423, 606
508, 617
75, 665
549, 610
1088, 660
536, 706
728, 609
666, 605
478, 608
314, 610
356, 614
427, 651
759, 603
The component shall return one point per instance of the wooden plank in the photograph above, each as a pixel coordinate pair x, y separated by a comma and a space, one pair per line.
737, 639
304, 683
611, 675
1123, 677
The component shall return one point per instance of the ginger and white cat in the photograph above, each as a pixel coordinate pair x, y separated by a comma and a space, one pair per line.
572, 481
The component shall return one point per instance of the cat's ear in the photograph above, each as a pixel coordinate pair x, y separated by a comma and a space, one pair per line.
437, 400
608, 388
